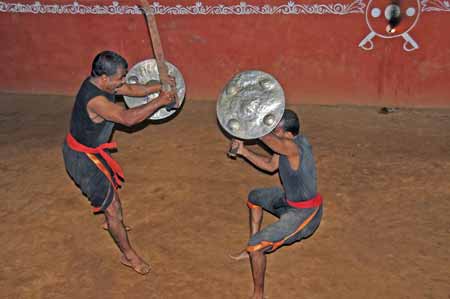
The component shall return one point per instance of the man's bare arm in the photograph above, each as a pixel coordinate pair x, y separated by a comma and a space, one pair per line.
138, 90
100, 106
141, 90
282, 146
268, 163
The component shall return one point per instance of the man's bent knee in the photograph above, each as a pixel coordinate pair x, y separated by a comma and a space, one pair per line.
253, 196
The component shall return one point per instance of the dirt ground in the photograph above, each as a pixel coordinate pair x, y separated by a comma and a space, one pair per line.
385, 231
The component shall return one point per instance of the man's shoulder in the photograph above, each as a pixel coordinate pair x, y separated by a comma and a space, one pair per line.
89, 91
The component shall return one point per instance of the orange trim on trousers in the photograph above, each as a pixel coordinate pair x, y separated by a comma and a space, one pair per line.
275, 245
252, 206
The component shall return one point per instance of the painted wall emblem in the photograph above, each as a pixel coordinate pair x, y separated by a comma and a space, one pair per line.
391, 19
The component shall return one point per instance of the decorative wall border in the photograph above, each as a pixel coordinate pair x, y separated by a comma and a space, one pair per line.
290, 8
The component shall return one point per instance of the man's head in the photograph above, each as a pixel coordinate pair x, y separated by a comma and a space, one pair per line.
289, 124
109, 68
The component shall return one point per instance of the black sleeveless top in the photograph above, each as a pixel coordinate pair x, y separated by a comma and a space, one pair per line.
82, 128
301, 184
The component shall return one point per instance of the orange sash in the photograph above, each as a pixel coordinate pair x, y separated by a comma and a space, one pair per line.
89, 151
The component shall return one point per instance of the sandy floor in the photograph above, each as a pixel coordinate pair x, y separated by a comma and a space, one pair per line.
385, 231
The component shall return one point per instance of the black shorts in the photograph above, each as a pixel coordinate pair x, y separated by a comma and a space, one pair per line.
294, 224
89, 178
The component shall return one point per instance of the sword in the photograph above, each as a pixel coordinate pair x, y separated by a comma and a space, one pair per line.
159, 54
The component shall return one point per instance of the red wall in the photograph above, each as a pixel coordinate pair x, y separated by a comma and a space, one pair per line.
316, 58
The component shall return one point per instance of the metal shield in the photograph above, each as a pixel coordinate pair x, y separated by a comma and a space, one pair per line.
146, 71
251, 105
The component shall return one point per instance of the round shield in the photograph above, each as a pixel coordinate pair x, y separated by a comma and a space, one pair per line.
146, 71
392, 18
251, 105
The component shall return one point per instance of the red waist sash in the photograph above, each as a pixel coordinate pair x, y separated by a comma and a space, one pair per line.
90, 151
307, 204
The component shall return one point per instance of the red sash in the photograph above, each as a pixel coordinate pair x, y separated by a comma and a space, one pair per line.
307, 204
89, 151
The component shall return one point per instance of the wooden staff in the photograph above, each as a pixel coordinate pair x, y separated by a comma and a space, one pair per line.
159, 54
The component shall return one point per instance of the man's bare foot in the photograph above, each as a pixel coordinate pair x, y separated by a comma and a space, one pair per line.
136, 264
105, 227
239, 256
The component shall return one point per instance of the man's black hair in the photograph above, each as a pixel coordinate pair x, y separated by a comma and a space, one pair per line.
290, 122
107, 63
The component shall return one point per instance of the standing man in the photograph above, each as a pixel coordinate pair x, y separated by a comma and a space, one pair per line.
296, 203
86, 149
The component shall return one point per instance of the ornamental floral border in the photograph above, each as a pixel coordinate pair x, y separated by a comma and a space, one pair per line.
290, 8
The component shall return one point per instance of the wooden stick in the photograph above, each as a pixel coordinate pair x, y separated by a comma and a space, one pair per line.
158, 52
